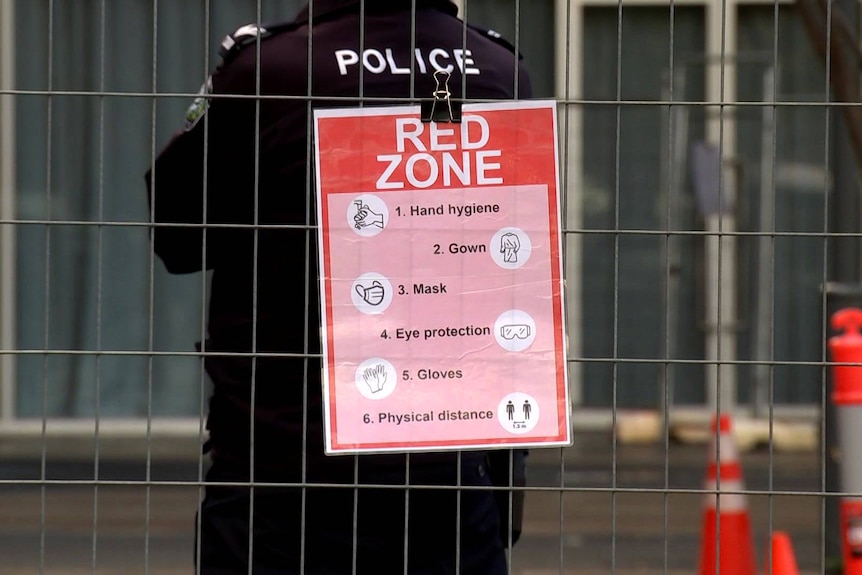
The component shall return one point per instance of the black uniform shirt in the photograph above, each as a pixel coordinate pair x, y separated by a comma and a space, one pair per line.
244, 155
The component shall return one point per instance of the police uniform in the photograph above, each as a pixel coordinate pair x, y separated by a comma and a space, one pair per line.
240, 165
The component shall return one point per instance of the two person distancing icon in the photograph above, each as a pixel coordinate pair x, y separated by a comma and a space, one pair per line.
518, 412
526, 408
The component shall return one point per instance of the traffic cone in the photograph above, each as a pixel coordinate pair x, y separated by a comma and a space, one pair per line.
726, 544
783, 559
846, 348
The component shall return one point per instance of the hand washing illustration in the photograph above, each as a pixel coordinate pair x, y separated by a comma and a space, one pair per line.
366, 217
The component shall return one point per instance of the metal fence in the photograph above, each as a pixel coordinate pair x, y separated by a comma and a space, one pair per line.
709, 157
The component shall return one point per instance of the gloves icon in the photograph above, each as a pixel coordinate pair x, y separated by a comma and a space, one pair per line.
375, 377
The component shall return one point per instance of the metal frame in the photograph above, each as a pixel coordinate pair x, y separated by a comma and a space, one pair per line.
7, 210
568, 66
720, 90
721, 29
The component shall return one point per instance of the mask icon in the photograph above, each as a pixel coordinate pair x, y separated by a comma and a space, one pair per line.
373, 294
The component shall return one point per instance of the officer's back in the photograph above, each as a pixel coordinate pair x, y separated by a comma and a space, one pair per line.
361, 53
254, 141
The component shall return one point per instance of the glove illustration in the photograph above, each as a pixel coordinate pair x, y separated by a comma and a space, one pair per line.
375, 377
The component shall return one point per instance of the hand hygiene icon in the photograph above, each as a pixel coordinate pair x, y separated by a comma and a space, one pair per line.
366, 217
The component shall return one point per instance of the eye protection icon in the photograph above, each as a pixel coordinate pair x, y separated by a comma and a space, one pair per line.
512, 331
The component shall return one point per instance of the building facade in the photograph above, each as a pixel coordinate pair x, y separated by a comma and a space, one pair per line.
698, 156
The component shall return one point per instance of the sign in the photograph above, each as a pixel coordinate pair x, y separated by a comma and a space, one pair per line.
441, 279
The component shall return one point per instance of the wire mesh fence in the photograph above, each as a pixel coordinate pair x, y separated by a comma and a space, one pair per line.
708, 155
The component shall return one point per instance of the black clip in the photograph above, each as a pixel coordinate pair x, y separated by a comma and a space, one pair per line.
442, 108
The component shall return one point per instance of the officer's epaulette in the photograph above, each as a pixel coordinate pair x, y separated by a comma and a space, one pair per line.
495, 36
247, 35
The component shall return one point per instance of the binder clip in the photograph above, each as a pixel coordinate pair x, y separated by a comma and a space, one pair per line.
441, 108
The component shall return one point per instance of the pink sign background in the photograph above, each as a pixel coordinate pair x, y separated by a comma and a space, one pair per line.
443, 327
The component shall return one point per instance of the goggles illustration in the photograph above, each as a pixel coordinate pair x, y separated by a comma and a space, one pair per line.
512, 331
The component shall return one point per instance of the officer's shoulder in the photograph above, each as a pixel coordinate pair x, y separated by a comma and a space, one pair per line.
495, 37
248, 34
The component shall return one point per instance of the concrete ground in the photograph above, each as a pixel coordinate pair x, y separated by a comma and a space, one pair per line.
594, 508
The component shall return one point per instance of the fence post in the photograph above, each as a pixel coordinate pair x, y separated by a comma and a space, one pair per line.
846, 348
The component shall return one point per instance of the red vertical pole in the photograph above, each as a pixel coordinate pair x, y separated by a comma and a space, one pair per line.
846, 348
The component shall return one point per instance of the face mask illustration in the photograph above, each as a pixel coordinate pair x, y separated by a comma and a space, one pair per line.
373, 294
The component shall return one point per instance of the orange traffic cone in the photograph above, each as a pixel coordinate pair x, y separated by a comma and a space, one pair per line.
726, 544
783, 559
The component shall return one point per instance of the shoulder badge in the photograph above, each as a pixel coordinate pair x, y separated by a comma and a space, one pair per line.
248, 35
199, 107
243, 36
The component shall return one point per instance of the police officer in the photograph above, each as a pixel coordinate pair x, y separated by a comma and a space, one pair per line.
231, 193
